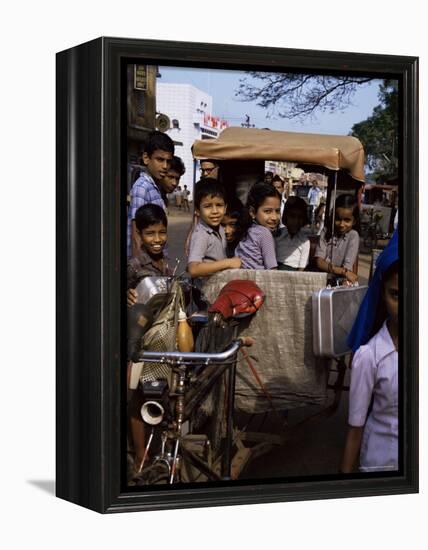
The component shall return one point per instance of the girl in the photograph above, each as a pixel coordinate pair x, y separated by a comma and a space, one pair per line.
292, 244
373, 397
257, 247
151, 225
337, 253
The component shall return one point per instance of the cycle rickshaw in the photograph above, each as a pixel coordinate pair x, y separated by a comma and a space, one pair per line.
280, 371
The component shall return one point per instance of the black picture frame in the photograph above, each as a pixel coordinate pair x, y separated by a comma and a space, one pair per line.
90, 215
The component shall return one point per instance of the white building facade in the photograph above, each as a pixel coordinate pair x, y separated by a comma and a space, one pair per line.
190, 112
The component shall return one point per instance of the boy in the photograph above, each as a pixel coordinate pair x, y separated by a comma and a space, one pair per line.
207, 251
171, 180
157, 156
232, 223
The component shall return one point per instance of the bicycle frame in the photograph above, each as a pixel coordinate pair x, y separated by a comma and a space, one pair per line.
187, 398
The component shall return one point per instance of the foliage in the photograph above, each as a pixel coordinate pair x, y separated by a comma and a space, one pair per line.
296, 96
379, 133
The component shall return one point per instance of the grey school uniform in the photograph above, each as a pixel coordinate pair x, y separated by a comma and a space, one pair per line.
345, 249
207, 244
257, 249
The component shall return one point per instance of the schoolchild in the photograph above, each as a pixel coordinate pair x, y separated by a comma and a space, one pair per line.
233, 223
171, 180
292, 244
257, 248
373, 396
337, 252
207, 249
149, 261
149, 187
151, 225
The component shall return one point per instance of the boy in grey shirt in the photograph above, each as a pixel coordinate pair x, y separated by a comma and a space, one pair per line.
207, 251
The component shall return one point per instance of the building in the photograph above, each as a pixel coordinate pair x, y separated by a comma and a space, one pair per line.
191, 116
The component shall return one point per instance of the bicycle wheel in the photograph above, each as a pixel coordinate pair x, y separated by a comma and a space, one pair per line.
155, 474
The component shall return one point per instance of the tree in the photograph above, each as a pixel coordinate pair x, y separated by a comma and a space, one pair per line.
379, 133
297, 96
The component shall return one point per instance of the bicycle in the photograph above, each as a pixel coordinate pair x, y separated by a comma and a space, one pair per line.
194, 375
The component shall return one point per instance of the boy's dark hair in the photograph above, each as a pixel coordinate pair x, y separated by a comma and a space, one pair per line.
345, 201
158, 140
278, 178
206, 187
234, 207
177, 165
236, 210
298, 204
150, 214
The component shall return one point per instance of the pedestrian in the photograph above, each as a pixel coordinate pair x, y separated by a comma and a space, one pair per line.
148, 188
186, 194
314, 197
171, 180
373, 396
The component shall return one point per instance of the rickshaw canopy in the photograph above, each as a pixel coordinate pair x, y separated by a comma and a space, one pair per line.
331, 152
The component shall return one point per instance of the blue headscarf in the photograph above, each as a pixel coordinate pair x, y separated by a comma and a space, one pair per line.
364, 323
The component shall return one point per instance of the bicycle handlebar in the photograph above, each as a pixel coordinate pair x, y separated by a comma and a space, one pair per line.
191, 357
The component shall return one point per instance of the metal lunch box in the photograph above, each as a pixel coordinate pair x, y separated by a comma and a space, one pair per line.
334, 311
153, 291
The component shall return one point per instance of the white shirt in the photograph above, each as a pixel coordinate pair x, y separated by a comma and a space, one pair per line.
292, 251
283, 201
375, 372
314, 196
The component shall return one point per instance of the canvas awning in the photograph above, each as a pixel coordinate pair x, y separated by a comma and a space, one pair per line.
332, 152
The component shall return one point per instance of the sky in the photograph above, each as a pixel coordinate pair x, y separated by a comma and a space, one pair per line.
221, 85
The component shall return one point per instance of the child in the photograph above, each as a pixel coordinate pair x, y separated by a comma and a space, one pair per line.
233, 223
373, 397
152, 230
151, 226
148, 188
292, 244
337, 253
207, 249
257, 247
